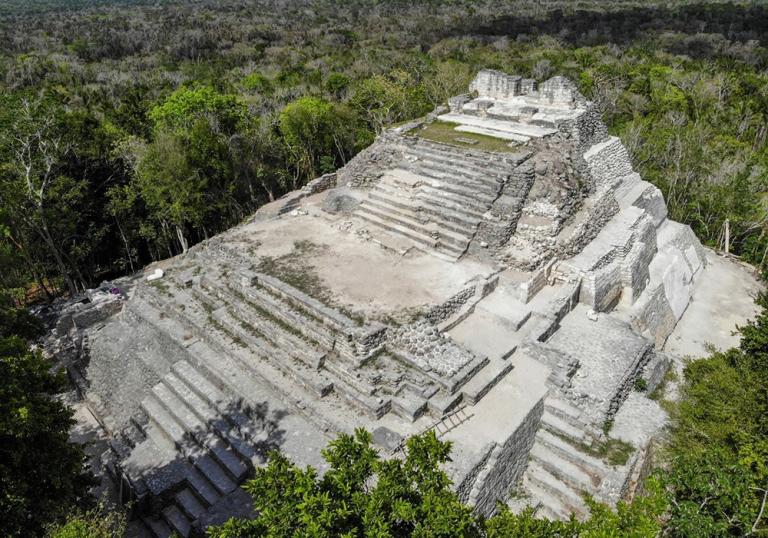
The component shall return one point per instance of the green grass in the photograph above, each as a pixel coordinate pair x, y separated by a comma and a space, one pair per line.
612, 451
162, 287
669, 377
443, 132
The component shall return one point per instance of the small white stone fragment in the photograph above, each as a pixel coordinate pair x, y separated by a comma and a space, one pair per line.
156, 275
591, 315
483, 244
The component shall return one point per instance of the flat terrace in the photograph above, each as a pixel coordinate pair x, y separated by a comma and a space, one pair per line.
354, 272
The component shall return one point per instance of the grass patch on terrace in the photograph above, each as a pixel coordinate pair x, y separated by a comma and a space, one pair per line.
443, 132
611, 451
296, 270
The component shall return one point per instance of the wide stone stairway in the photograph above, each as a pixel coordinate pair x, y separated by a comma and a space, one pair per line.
560, 472
437, 196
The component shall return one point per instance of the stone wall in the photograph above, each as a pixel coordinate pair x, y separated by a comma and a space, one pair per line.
495, 84
370, 164
635, 266
561, 91
468, 481
672, 275
602, 287
506, 464
84, 315
320, 184
601, 210
448, 308
652, 315
628, 383
608, 162
501, 220
652, 201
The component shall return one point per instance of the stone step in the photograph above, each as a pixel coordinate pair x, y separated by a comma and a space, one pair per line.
547, 505
414, 235
207, 389
199, 431
444, 236
566, 500
421, 198
591, 465
289, 326
564, 469
495, 133
229, 431
280, 335
133, 433
460, 161
447, 152
452, 155
562, 428
176, 520
214, 473
166, 425
235, 370
487, 378
545, 512
201, 487
381, 203
174, 433
156, 527
445, 217
431, 170
464, 204
456, 190
189, 504
570, 414
288, 365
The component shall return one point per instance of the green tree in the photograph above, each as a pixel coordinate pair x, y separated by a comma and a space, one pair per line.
360, 495
98, 523
181, 110
41, 473
314, 132
364, 495
172, 189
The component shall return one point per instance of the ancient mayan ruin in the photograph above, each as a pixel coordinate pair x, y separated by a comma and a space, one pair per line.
496, 271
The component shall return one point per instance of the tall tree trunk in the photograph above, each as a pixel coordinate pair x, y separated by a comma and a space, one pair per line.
182, 240
31, 267
60, 265
127, 246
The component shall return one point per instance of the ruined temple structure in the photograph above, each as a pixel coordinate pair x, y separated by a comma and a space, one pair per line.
497, 272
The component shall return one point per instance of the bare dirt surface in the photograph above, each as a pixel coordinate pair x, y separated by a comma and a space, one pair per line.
357, 272
723, 300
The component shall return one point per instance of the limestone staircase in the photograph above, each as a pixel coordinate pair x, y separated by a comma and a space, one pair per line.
210, 442
288, 342
437, 197
303, 347
560, 472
